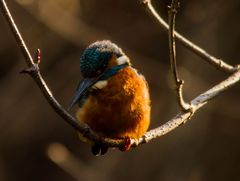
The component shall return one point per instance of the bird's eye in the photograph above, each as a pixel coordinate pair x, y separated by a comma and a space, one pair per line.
99, 71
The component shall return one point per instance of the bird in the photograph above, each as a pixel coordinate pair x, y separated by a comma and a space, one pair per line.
113, 97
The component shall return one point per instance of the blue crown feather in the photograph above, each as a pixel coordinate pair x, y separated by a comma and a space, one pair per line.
95, 58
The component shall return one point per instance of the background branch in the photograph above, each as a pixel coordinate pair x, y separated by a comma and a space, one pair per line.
172, 48
216, 62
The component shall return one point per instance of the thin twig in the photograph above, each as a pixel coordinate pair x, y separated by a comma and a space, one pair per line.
17, 35
218, 63
197, 103
172, 48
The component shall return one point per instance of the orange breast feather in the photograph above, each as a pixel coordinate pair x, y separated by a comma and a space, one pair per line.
121, 109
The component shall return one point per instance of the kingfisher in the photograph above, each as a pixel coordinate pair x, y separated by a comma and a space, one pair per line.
113, 98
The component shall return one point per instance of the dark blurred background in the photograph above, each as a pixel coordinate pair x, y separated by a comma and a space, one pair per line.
36, 144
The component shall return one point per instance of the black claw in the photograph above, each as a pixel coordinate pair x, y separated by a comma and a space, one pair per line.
104, 150
98, 149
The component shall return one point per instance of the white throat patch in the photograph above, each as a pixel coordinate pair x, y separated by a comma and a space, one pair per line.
122, 60
103, 83
100, 84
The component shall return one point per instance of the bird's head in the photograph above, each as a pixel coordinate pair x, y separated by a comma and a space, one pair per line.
99, 61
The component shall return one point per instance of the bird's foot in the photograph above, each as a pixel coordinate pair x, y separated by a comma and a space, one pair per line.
98, 148
127, 144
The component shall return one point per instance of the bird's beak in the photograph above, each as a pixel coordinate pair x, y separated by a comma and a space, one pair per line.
86, 83
82, 89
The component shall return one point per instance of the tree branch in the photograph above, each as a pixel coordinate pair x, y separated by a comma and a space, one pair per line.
36, 75
172, 48
197, 103
216, 62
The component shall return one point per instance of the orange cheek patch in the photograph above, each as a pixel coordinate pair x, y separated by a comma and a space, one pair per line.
112, 62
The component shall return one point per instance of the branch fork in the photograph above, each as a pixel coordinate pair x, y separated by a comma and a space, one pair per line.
34, 69
145, 1
216, 62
